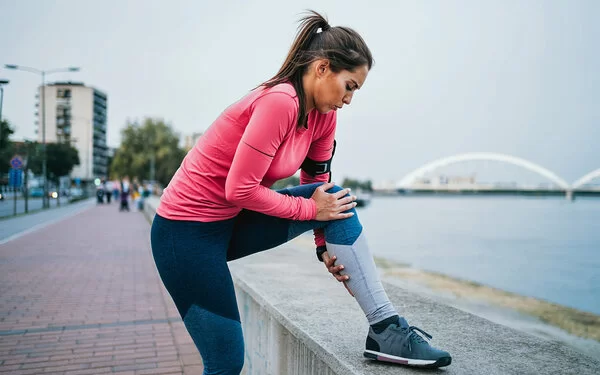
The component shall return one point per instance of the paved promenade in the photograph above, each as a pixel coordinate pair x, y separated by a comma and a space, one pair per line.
82, 296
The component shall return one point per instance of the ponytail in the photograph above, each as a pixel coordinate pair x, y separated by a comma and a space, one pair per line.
343, 47
299, 57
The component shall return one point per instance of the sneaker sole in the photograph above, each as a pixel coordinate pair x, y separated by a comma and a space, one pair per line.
426, 363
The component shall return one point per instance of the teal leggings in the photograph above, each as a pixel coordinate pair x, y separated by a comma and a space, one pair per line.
191, 258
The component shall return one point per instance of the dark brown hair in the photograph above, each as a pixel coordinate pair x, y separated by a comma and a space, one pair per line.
343, 47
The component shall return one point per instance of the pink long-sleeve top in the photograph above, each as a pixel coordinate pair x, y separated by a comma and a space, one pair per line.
252, 144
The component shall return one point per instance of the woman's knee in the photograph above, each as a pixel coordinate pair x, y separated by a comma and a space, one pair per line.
335, 189
353, 220
344, 231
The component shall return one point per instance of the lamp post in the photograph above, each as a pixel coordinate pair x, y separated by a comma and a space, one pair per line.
43, 73
2, 83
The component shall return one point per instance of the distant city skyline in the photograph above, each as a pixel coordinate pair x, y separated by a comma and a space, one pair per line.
450, 77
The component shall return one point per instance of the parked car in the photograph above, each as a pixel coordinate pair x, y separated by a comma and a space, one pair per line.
37, 192
75, 192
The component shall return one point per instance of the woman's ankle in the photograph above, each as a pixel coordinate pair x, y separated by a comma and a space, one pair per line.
381, 326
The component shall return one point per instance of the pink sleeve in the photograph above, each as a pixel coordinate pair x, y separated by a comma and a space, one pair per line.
320, 150
273, 116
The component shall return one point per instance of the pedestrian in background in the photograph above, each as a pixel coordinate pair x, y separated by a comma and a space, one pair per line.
125, 191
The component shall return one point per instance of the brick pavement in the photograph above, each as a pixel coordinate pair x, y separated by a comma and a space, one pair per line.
82, 296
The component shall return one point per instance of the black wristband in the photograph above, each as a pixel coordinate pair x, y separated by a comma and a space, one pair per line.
320, 251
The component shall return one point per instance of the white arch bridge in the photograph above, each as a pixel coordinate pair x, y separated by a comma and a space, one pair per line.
414, 180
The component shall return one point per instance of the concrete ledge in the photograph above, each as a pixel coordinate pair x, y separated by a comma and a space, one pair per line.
298, 320
150, 204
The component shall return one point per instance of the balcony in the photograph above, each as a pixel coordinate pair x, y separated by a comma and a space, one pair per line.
60, 121
64, 102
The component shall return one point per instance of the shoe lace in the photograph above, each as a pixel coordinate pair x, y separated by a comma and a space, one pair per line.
419, 337
415, 334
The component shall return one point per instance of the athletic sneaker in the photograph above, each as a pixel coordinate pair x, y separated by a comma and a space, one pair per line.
404, 344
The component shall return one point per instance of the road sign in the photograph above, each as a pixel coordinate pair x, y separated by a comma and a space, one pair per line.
15, 178
16, 162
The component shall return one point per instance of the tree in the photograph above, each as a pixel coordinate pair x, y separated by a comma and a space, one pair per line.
282, 184
357, 184
143, 142
6, 146
60, 160
109, 160
31, 152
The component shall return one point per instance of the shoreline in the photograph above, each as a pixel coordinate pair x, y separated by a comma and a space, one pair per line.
578, 329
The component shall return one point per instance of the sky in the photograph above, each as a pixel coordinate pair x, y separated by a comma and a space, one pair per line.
520, 78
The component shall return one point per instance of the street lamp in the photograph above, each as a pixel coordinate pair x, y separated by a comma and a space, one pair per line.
43, 73
2, 83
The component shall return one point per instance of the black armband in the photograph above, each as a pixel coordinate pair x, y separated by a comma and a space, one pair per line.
315, 168
320, 251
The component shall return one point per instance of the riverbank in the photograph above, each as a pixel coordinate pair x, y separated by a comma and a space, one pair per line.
578, 329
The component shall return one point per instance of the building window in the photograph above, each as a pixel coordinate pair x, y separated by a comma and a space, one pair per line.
63, 93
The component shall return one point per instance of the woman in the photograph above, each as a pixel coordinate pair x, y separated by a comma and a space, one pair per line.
218, 206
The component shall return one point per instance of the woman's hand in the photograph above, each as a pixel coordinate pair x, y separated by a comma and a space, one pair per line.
332, 206
335, 270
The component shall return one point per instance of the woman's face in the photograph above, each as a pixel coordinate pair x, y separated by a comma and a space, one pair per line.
333, 90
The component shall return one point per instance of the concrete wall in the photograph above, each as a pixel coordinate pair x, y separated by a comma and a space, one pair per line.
271, 347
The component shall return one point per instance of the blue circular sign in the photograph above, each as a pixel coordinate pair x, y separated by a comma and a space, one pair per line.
16, 162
